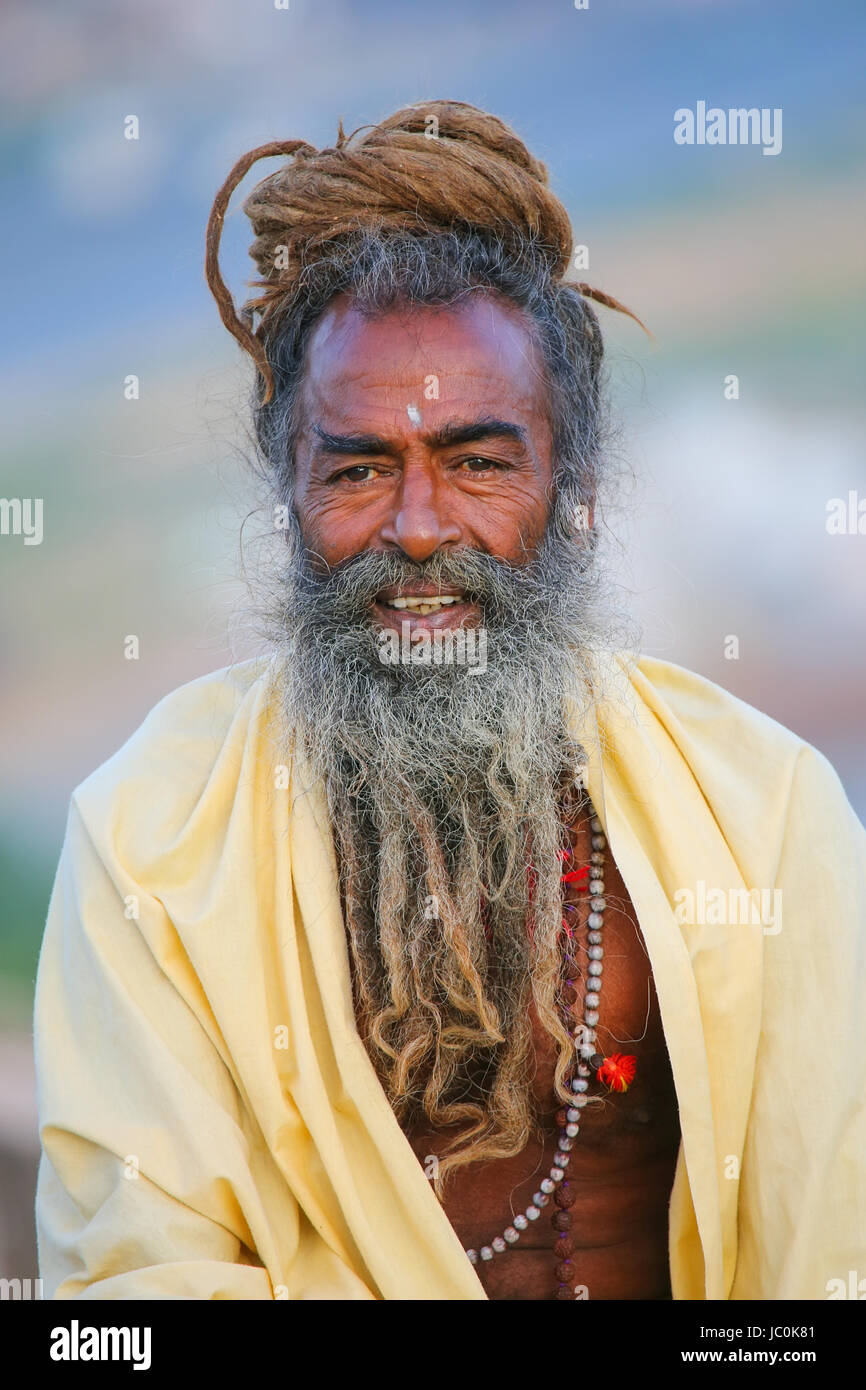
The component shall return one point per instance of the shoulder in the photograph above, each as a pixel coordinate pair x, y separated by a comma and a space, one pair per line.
741, 756
186, 730
701, 715
181, 767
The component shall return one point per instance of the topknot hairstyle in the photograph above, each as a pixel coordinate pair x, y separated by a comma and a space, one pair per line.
439, 200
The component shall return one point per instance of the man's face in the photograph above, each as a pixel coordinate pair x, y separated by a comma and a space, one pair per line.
423, 429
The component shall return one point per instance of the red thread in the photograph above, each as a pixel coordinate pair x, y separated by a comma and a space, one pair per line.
576, 875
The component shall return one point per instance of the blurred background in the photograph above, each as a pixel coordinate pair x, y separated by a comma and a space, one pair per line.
742, 264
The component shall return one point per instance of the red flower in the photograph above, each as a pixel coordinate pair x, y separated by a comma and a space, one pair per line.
617, 1071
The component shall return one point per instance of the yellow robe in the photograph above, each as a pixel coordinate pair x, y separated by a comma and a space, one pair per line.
211, 1124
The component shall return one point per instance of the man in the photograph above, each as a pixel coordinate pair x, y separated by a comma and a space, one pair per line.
446, 950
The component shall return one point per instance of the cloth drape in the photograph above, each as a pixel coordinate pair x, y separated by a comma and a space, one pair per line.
211, 1124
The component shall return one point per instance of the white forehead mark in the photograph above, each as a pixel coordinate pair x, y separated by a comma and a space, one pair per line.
414, 414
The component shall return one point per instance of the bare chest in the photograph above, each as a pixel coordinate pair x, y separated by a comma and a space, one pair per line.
622, 1163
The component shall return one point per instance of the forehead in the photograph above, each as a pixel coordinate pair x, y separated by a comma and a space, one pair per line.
438, 358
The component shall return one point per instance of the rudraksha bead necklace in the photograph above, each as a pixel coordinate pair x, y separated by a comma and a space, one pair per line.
617, 1071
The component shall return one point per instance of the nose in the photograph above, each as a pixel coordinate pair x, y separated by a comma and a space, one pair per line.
420, 522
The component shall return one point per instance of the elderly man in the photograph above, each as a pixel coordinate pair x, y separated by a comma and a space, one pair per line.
447, 950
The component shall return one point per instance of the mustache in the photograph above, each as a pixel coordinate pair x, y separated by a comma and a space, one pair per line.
503, 590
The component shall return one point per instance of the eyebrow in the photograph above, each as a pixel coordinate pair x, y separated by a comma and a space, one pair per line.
446, 436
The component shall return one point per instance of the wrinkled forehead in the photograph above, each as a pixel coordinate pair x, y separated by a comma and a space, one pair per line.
423, 360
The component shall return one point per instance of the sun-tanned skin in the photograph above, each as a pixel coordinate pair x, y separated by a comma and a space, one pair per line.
376, 470
623, 1160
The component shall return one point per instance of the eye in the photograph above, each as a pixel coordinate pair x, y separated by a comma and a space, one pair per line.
477, 464
355, 474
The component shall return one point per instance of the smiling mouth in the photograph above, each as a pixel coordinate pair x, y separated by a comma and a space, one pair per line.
445, 608
422, 604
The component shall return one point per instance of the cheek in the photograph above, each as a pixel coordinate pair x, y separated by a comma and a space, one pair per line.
510, 525
334, 530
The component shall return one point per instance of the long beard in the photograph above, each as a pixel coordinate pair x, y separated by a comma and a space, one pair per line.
443, 785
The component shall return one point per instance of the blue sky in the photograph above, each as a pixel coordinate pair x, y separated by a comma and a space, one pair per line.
103, 237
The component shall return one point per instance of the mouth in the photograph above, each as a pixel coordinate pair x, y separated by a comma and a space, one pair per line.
439, 608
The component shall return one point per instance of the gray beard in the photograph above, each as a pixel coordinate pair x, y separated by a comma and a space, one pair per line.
443, 784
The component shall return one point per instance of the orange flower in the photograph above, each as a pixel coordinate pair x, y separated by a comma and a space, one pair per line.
617, 1071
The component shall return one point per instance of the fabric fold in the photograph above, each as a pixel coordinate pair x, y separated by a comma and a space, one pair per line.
194, 1011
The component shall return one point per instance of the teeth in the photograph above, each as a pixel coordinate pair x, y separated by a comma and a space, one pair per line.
425, 604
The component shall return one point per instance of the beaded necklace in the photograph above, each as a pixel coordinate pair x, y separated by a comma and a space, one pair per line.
617, 1071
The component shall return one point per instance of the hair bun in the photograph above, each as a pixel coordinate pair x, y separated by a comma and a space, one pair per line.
432, 165
428, 166
457, 120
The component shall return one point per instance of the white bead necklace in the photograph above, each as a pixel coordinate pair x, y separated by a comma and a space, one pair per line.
584, 1037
